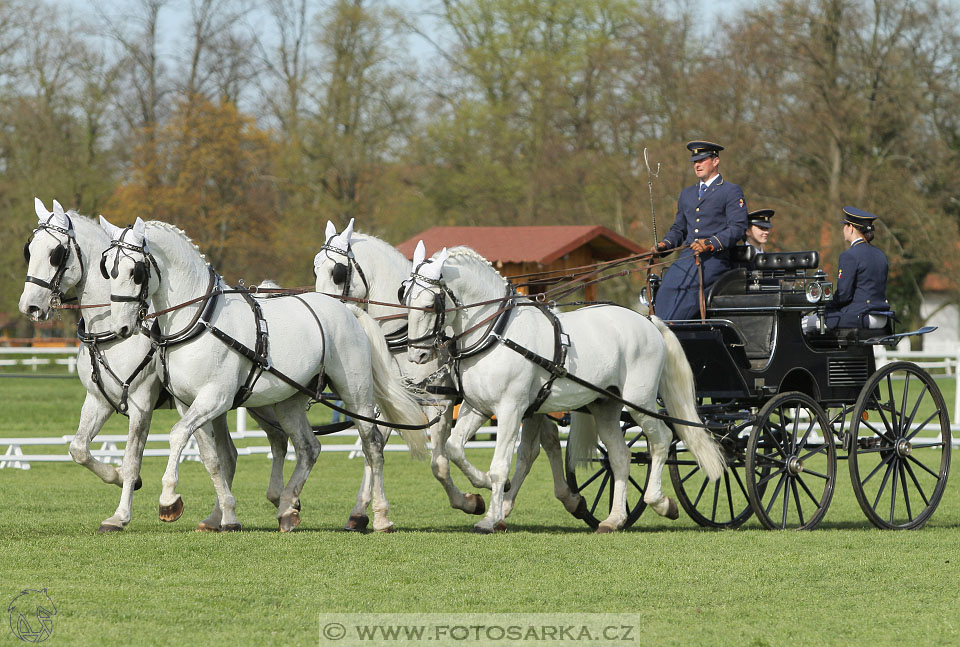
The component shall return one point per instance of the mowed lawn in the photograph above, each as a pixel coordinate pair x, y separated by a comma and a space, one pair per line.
164, 584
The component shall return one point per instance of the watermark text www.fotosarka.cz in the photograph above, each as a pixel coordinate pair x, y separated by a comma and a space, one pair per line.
441, 629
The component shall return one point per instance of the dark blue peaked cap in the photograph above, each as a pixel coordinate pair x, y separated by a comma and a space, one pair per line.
703, 150
859, 218
761, 218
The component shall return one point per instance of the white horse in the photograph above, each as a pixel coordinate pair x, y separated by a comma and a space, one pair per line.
352, 264
63, 254
611, 347
221, 344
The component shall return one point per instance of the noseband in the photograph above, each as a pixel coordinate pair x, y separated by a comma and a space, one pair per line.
59, 258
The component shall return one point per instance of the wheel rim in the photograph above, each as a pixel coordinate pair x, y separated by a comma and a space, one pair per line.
791, 463
722, 504
594, 482
900, 447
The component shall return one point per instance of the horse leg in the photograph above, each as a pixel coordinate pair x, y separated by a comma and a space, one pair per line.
293, 418
440, 465
527, 452
550, 441
130, 468
227, 455
93, 415
508, 425
468, 423
206, 405
358, 520
658, 442
266, 417
607, 416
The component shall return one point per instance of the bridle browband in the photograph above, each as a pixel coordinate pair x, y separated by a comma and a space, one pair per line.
59, 258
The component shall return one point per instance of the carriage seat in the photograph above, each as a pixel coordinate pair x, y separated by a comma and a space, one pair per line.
752, 312
788, 260
743, 254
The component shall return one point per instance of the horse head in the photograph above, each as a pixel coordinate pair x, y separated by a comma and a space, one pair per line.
53, 262
127, 265
336, 267
424, 292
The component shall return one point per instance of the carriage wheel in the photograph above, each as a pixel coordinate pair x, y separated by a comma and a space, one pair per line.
791, 463
595, 481
900, 446
723, 503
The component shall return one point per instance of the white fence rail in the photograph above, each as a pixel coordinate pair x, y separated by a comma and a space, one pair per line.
939, 363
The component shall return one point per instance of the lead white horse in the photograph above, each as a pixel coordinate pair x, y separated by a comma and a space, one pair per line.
611, 347
312, 338
353, 264
62, 254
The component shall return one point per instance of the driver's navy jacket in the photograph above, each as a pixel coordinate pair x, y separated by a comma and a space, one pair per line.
861, 286
720, 217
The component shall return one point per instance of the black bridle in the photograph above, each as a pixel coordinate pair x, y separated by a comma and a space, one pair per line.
436, 336
59, 257
342, 273
141, 272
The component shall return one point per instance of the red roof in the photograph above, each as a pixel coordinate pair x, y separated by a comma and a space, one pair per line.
525, 244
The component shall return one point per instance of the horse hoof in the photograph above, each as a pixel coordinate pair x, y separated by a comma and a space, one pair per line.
138, 484
581, 511
205, 527
231, 527
672, 512
388, 529
357, 523
289, 521
482, 530
603, 529
172, 512
105, 528
479, 507
501, 526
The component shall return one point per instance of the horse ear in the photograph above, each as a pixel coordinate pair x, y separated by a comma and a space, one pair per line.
419, 254
111, 230
348, 232
42, 213
441, 257
330, 232
59, 216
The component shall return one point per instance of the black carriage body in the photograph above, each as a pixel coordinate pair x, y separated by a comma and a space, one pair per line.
752, 345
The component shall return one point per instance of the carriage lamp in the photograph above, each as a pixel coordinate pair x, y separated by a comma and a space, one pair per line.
827, 290
814, 292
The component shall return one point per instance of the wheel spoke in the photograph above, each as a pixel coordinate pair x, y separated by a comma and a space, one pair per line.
877, 469
817, 474
769, 434
636, 485
634, 441
893, 490
796, 428
590, 480
883, 485
906, 491
916, 407
806, 434
786, 503
892, 405
703, 488
740, 484
923, 467
716, 500
809, 493
886, 423
690, 473
913, 477
819, 450
776, 492
726, 482
769, 477
603, 485
869, 425
923, 424
796, 499
903, 401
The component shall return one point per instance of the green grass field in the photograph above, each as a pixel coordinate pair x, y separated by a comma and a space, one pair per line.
163, 584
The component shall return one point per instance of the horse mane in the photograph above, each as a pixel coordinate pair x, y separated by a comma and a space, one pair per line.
465, 257
173, 229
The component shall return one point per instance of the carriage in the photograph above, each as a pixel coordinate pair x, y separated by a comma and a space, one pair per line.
786, 405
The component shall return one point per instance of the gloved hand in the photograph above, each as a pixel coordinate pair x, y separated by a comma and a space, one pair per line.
701, 245
658, 249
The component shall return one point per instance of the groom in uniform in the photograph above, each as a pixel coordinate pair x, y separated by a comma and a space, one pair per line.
711, 218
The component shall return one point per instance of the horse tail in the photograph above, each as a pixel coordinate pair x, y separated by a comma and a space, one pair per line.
395, 402
678, 392
582, 440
